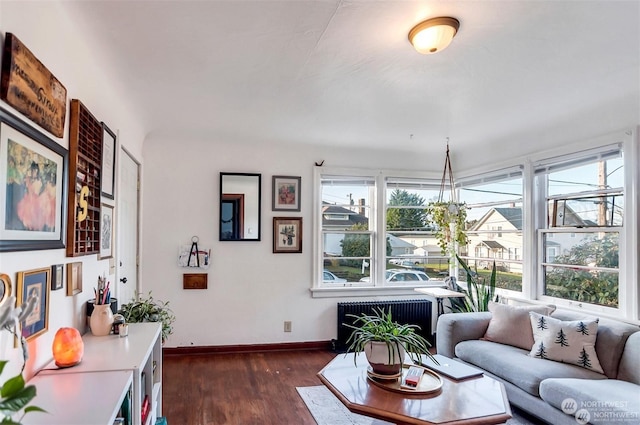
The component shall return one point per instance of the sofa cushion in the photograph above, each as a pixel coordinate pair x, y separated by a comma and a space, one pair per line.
511, 325
595, 401
565, 341
629, 370
514, 365
610, 343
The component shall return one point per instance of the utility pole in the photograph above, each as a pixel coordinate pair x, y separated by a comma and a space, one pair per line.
602, 184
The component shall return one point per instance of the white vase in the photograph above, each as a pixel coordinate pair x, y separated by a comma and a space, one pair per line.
381, 362
101, 320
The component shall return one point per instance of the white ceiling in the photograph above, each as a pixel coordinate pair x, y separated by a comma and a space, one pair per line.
520, 75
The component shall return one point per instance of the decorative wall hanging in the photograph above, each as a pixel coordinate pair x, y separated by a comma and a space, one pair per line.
193, 255
31, 88
85, 161
286, 193
108, 162
106, 232
56, 277
35, 283
32, 189
5, 287
74, 278
287, 235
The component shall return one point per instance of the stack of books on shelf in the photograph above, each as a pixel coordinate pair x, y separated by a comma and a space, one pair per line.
145, 409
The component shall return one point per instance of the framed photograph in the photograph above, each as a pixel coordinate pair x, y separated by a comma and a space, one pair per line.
56, 277
286, 193
287, 235
108, 162
106, 232
32, 189
5, 287
74, 278
35, 283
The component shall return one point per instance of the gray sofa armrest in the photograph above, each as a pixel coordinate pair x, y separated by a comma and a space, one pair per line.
453, 328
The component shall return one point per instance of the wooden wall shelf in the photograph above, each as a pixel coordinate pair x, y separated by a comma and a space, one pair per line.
85, 159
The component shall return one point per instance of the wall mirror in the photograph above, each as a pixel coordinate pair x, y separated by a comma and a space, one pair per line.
240, 199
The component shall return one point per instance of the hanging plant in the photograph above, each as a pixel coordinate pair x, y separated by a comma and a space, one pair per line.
444, 213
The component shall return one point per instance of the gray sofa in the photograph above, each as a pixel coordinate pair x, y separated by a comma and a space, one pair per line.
540, 386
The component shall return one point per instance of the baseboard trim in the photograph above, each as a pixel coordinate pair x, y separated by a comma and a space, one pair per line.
248, 348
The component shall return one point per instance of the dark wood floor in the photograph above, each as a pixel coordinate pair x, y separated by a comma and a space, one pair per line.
244, 388
240, 389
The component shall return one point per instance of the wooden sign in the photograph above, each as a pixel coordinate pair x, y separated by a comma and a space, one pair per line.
28, 86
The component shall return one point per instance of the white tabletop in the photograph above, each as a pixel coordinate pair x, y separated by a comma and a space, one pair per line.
91, 398
440, 292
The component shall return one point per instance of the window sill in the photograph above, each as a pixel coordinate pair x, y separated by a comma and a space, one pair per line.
368, 291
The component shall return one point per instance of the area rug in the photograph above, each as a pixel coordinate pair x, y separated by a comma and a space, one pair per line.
326, 409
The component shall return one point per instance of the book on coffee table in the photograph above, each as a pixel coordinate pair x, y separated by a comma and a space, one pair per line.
451, 368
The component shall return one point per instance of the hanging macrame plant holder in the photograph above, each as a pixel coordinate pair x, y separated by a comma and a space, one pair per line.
448, 215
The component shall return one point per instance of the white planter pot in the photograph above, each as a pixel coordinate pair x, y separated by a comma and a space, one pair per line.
381, 362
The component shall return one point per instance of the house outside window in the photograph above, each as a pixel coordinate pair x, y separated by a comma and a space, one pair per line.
495, 225
580, 232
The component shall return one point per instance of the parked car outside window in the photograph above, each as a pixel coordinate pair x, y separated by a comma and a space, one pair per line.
399, 275
328, 277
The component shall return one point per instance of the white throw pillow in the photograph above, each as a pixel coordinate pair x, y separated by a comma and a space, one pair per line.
511, 324
565, 341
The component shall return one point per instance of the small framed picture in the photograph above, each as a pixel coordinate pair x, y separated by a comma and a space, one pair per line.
287, 235
106, 232
35, 283
108, 161
56, 277
5, 287
286, 193
74, 278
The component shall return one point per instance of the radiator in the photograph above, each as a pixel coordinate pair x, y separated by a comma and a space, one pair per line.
414, 312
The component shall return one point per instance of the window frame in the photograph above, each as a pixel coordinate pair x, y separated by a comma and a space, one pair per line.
629, 254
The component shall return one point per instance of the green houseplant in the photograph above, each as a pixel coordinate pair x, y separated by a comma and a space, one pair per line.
478, 292
149, 310
385, 341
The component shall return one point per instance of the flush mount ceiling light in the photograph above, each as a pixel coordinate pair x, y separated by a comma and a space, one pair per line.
433, 35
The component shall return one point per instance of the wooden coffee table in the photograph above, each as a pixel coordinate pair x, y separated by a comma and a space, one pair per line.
475, 401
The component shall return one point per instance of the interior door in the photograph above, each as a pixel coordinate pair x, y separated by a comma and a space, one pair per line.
128, 230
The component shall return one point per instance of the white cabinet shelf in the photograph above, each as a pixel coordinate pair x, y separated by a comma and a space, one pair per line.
140, 353
91, 398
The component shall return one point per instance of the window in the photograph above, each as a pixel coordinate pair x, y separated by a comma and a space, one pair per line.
348, 230
409, 229
374, 230
580, 230
495, 225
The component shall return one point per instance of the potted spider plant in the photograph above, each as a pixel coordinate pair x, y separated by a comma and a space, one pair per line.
385, 342
149, 310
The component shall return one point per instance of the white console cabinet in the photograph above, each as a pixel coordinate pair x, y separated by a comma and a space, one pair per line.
139, 353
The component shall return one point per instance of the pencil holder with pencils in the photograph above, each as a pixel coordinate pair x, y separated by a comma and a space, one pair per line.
101, 319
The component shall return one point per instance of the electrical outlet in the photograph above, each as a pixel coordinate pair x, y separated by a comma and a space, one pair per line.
287, 326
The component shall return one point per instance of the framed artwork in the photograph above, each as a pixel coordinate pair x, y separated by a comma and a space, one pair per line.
56, 277
286, 193
5, 287
287, 235
108, 162
35, 283
33, 185
74, 278
106, 232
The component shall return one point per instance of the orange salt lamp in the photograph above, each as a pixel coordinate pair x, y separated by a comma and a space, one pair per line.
68, 347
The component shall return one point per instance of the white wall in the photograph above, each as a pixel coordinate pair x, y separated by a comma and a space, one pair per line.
46, 29
251, 290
